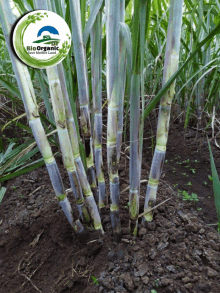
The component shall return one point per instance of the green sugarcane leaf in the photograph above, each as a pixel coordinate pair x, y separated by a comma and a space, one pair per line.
127, 2
7, 152
190, 99
20, 4
93, 14
32, 166
11, 156
23, 160
213, 88
45, 95
216, 183
10, 87
136, 37
195, 74
167, 85
125, 31
59, 9
67, 14
31, 3
23, 127
11, 97
2, 192
143, 18
83, 13
43, 117
148, 19
14, 120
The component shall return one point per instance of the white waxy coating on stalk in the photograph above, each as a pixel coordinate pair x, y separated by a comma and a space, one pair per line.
66, 149
75, 150
134, 177
96, 66
122, 80
60, 118
112, 65
83, 88
41, 140
170, 67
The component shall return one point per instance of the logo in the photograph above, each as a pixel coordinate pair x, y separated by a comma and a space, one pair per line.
41, 39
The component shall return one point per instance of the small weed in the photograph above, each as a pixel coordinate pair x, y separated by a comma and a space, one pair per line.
184, 174
166, 161
95, 280
205, 183
21, 196
153, 291
193, 171
173, 171
199, 209
194, 197
210, 177
187, 196
128, 205
189, 184
186, 161
175, 185
156, 282
14, 187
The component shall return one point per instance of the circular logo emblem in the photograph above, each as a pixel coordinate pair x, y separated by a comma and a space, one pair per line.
41, 39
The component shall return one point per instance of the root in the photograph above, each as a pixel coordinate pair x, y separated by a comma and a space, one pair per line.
26, 277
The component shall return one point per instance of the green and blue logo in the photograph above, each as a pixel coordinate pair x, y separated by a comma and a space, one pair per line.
41, 39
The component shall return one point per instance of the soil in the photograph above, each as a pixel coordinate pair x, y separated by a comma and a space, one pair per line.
179, 251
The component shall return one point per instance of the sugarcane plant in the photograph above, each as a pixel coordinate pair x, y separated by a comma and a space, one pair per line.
27, 92
170, 67
55, 75
216, 185
96, 68
129, 54
83, 90
112, 69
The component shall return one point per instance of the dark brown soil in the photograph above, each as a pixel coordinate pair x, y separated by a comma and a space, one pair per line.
178, 252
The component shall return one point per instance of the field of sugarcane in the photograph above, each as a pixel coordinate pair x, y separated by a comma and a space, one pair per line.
109, 161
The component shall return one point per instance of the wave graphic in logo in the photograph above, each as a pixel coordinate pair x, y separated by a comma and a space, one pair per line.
47, 39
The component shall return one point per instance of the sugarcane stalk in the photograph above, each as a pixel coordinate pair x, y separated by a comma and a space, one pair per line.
170, 67
122, 81
91, 205
145, 10
96, 60
83, 88
134, 153
65, 145
60, 120
25, 85
69, 142
134, 168
112, 55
